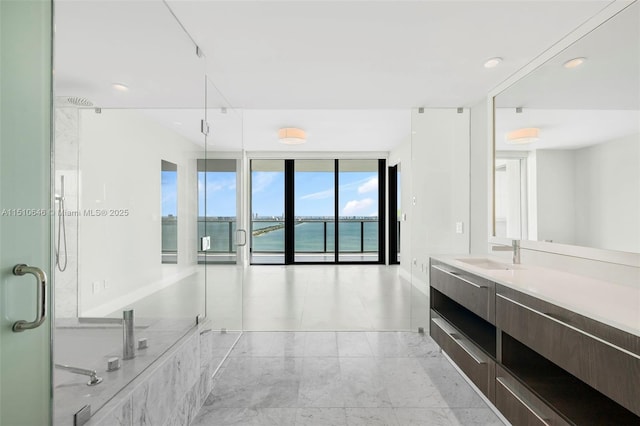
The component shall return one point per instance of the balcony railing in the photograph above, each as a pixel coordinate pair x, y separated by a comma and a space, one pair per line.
313, 235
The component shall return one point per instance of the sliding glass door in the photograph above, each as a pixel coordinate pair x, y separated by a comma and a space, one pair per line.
314, 205
317, 211
359, 213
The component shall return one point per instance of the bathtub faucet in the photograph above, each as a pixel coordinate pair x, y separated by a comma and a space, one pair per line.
128, 346
93, 374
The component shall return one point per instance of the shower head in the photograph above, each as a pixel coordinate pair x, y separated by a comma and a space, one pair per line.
60, 197
77, 101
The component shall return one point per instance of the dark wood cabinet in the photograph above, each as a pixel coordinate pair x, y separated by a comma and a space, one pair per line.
539, 363
612, 370
521, 406
476, 364
473, 292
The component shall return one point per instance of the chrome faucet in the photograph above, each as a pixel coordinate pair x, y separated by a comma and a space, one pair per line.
128, 344
515, 246
93, 374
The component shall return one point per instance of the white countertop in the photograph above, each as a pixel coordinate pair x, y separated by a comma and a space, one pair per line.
610, 303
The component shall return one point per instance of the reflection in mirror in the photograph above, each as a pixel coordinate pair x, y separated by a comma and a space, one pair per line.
510, 195
575, 178
169, 179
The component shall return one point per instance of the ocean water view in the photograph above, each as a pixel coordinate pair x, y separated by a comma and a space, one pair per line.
312, 235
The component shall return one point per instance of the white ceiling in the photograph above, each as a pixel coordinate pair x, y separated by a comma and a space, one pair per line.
347, 72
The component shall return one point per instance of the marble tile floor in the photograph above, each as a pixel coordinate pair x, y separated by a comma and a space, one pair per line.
341, 378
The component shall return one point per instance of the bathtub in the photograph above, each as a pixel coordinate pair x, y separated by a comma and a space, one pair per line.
90, 345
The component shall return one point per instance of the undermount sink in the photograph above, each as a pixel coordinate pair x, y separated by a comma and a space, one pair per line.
484, 263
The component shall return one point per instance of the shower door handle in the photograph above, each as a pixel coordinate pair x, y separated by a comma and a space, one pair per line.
244, 240
41, 297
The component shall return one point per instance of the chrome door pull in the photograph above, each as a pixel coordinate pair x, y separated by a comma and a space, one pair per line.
244, 240
41, 297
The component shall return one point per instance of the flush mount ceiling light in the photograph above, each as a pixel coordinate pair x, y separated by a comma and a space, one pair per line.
522, 136
120, 87
292, 136
574, 63
492, 62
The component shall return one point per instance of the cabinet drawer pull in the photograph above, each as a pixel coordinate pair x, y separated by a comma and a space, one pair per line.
456, 275
521, 400
564, 324
464, 345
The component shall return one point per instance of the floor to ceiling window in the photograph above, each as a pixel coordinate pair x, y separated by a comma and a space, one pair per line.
267, 211
217, 209
317, 211
359, 210
314, 206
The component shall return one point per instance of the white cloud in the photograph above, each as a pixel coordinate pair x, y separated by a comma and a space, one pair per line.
358, 207
261, 180
320, 195
369, 186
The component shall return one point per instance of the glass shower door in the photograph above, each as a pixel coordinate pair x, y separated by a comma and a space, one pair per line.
25, 202
221, 214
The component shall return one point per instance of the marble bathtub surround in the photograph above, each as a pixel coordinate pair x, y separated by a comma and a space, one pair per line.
171, 391
341, 378
90, 344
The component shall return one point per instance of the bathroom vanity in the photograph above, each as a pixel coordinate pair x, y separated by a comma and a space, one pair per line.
545, 347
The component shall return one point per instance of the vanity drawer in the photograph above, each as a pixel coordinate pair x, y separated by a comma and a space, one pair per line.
606, 367
520, 406
473, 292
477, 365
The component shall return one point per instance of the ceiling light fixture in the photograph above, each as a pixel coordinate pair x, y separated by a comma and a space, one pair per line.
574, 63
492, 62
120, 87
292, 136
522, 136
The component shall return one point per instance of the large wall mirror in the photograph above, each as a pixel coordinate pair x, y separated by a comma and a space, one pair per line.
567, 144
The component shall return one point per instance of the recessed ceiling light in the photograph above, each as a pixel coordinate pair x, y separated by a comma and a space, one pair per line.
492, 62
120, 87
573, 63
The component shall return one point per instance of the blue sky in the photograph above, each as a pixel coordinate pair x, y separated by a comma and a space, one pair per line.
169, 192
314, 193
358, 193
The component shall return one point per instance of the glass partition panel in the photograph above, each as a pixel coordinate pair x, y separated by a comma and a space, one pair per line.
126, 100
222, 218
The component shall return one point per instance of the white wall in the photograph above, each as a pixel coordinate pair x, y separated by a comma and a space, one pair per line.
556, 202
120, 164
440, 173
607, 183
480, 177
